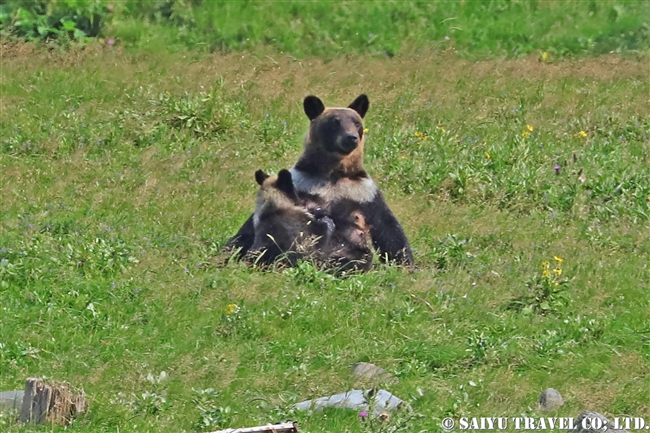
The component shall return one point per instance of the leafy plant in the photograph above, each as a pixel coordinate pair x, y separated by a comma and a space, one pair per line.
547, 291
211, 415
150, 403
450, 251
206, 114
46, 19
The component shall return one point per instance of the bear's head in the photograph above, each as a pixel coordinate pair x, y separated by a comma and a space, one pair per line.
277, 204
276, 191
350, 247
335, 139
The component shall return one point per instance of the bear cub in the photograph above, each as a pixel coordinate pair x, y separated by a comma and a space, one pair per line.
288, 228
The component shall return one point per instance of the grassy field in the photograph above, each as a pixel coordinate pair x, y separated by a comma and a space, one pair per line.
328, 29
523, 186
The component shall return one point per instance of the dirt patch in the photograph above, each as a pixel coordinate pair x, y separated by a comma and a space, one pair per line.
603, 68
276, 75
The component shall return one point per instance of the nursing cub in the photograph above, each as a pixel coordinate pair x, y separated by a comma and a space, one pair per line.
288, 228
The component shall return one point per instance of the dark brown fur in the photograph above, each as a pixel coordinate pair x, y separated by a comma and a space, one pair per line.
334, 175
330, 173
326, 152
288, 229
280, 222
349, 248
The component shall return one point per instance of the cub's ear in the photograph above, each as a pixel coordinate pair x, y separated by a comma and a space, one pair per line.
360, 105
313, 107
260, 177
285, 183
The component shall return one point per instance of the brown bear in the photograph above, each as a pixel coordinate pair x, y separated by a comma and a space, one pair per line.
349, 246
330, 173
288, 228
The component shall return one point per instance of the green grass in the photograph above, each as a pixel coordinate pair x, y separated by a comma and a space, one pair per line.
306, 28
124, 172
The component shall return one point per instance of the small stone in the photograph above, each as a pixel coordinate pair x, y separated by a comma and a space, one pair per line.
578, 427
11, 400
367, 370
550, 400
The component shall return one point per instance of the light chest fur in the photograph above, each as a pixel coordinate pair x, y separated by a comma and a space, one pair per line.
362, 190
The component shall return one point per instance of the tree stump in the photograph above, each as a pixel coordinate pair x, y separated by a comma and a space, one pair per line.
50, 403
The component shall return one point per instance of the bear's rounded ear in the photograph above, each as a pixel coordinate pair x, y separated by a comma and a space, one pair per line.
285, 182
360, 105
313, 106
260, 177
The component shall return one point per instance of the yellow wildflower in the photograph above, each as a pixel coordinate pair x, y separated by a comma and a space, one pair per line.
526, 132
232, 308
530, 128
545, 265
544, 56
557, 271
581, 134
365, 130
441, 128
420, 135
546, 273
487, 155
559, 260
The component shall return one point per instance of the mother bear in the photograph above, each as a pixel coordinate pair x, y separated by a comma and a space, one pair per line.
330, 172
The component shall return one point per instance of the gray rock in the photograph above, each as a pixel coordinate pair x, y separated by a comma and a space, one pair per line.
369, 371
588, 427
357, 399
11, 400
550, 400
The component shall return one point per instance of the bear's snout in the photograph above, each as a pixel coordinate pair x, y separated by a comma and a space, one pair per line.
349, 142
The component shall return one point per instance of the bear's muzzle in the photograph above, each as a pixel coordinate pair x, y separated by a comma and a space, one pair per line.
348, 143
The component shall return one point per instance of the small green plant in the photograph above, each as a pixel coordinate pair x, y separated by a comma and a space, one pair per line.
150, 403
211, 415
547, 291
400, 421
153, 402
206, 114
450, 251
